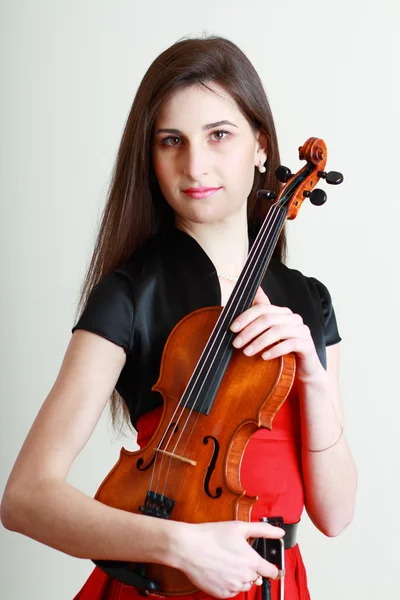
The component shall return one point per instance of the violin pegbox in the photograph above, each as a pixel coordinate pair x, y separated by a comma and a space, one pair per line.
301, 185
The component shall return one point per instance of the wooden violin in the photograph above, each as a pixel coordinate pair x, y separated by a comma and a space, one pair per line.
215, 398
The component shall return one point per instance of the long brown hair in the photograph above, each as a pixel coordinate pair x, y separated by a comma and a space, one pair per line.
136, 210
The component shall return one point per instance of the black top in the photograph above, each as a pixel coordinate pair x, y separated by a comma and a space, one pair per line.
138, 304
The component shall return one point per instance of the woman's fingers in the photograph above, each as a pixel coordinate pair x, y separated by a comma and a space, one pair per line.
267, 569
267, 330
261, 297
220, 561
257, 529
247, 585
260, 529
256, 311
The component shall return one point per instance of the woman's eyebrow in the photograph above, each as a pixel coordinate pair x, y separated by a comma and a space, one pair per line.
205, 127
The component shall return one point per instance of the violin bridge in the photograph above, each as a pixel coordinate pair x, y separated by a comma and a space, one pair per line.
182, 458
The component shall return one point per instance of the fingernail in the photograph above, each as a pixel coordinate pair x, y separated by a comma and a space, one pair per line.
279, 529
238, 342
235, 326
249, 350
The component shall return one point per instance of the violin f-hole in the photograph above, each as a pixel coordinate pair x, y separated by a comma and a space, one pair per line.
211, 468
140, 461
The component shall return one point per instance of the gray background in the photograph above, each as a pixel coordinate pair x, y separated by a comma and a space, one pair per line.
69, 71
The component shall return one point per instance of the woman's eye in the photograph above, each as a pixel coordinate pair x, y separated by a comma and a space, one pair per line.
175, 141
220, 134
171, 140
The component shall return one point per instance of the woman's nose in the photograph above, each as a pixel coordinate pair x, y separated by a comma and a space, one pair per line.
196, 161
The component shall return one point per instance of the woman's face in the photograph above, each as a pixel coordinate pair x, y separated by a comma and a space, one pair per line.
201, 139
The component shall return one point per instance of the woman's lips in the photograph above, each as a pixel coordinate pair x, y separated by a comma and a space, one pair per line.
202, 192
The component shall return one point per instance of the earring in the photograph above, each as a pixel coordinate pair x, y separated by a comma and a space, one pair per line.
261, 167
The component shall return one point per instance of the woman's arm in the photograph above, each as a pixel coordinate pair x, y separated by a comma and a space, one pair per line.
39, 503
330, 476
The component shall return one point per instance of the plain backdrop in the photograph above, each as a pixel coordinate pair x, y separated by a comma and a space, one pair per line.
69, 72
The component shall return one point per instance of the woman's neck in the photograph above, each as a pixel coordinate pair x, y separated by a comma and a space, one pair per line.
225, 243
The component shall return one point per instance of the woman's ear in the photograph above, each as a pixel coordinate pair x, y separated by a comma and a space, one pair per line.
261, 147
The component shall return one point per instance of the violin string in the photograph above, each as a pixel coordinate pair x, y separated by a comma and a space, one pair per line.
226, 317
210, 366
273, 217
153, 472
250, 266
193, 425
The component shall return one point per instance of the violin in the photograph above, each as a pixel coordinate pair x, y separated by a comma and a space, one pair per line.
215, 398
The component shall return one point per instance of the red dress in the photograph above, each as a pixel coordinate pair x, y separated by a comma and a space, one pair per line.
271, 470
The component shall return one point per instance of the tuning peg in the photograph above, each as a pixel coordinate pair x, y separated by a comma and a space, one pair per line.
333, 177
266, 194
317, 197
283, 174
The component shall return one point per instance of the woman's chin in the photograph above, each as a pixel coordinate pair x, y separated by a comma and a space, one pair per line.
205, 217
203, 214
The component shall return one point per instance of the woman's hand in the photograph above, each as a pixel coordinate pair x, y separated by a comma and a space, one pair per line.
275, 331
218, 559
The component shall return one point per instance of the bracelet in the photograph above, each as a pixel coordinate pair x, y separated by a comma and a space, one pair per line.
331, 446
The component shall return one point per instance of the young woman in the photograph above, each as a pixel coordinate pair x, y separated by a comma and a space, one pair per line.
181, 215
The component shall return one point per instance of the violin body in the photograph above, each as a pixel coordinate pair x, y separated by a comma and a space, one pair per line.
192, 464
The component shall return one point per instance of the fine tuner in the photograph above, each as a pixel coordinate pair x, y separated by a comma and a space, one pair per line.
300, 186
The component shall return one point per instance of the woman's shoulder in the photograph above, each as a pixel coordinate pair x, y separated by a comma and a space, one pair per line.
109, 310
310, 290
295, 276
110, 307
151, 253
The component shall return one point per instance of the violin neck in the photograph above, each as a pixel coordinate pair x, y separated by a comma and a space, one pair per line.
256, 264
211, 367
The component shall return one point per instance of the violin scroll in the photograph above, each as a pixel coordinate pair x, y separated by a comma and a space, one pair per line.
301, 185
314, 150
